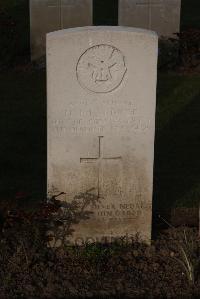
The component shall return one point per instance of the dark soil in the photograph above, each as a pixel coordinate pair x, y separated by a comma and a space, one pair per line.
105, 271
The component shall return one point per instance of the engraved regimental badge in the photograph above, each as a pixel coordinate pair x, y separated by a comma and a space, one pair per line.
101, 69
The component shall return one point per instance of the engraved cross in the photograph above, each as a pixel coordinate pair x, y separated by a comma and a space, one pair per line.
60, 4
98, 161
53, 3
56, 4
150, 4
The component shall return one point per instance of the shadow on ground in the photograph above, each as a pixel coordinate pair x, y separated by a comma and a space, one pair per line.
177, 144
23, 132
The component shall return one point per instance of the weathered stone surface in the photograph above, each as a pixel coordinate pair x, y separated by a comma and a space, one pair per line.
51, 15
162, 16
101, 121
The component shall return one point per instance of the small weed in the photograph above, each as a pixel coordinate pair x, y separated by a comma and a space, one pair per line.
187, 246
189, 255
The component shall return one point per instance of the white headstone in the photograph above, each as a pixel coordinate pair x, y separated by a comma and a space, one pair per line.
51, 15
101, 122
162, 16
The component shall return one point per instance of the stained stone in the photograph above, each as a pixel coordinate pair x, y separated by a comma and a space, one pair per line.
162, 16
51, 15
101, 123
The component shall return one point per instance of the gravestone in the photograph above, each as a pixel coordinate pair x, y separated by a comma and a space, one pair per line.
51, 15
101, 122
162, 16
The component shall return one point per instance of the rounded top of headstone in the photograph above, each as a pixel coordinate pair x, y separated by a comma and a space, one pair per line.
119, 29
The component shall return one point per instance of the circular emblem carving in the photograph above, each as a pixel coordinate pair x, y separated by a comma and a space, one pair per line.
101, 68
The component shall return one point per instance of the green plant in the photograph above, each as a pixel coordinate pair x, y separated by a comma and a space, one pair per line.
189, 255
190, 48
187, 245
68, 214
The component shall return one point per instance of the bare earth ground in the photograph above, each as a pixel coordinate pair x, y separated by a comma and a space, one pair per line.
104, 271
